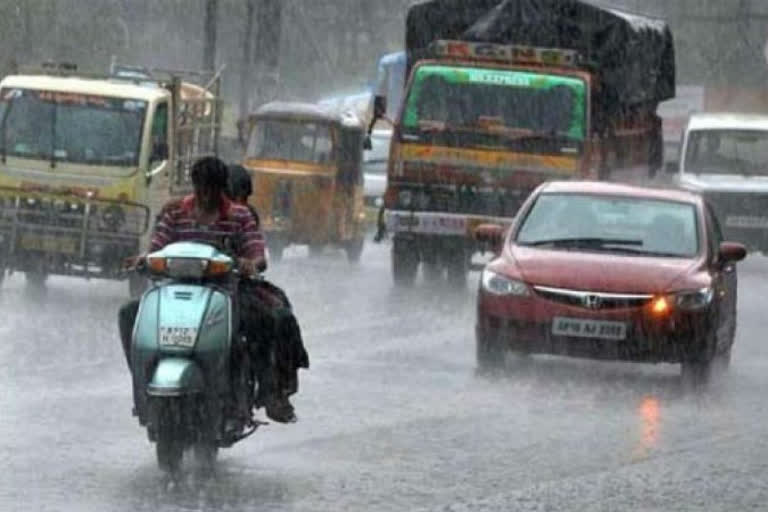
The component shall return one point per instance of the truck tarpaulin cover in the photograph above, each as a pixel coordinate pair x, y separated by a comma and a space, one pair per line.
633, 55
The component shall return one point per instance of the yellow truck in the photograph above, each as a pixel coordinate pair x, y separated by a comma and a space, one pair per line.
86, 161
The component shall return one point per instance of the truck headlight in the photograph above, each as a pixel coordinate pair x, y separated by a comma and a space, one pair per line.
497, 284
694, 300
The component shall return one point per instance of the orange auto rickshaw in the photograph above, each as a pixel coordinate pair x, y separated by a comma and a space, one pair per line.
306, 163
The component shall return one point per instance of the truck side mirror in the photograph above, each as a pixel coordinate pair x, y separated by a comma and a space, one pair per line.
159, 151
379, 106
367, 143
671, 167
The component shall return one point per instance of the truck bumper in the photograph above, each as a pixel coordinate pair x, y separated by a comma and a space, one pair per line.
437, 223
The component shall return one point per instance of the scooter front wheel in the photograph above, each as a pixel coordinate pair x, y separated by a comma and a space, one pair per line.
169, 452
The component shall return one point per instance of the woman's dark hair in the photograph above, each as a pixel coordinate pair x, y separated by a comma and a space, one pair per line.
239, 182
209, 172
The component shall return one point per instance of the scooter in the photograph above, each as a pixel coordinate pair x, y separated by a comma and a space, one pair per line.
193, 387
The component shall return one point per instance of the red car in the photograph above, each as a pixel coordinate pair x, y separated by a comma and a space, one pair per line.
612, 272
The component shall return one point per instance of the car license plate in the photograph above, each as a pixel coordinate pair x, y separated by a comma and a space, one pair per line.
581, 328
48, 244
184, 337
746, 222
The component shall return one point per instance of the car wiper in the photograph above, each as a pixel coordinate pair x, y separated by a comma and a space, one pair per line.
587, 242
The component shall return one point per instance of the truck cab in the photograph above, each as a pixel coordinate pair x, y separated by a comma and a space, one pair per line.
86, 161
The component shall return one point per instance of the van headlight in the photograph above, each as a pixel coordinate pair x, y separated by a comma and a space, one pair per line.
497, 284
694, 300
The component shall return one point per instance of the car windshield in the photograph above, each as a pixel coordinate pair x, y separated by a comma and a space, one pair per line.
743, 152
622, 225
291, 140
70, 127
468, 106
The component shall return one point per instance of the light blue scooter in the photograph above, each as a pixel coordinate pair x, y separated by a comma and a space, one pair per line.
192, 383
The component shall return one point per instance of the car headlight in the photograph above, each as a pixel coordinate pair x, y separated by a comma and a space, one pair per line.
694, 300
405, 198
497, 284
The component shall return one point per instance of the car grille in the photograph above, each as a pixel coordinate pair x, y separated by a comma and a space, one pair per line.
593, 301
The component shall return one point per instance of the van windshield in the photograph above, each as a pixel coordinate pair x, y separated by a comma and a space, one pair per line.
743, 152
71, 127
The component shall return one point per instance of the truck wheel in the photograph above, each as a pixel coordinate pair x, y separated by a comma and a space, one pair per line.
36, 280
433, 271
316, 249
405, 262
354, 250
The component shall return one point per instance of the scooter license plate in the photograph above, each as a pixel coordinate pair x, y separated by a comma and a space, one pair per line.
184, 337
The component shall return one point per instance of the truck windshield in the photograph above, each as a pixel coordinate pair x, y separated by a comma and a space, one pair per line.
71, 127
291, 140
743, 152
468, 106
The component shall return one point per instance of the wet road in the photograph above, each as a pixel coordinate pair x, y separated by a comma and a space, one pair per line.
392, 415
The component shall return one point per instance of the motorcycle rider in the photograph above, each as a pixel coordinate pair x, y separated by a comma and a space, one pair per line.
209, 215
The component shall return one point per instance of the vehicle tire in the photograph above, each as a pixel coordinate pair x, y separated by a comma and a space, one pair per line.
696, 374
36, 280
490, 354
354, 250
205, 456
433, 271
168, 447
405, 262
458, 269
722, 362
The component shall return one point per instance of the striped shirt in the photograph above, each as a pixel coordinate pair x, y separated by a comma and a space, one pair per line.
177, 223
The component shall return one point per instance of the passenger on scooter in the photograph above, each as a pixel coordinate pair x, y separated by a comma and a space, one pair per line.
208, 215
290, 354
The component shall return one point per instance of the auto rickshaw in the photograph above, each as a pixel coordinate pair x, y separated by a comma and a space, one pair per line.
306, 163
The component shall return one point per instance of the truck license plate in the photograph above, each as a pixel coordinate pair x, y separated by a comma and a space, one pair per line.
184, 337
580, 328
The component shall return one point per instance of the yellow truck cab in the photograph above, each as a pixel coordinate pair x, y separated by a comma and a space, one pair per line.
86, 162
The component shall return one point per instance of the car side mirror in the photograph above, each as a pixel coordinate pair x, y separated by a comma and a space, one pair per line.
367, 143
490, 237
731, 252
671, 167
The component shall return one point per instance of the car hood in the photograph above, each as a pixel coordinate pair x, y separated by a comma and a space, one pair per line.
724, 183
590, 271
